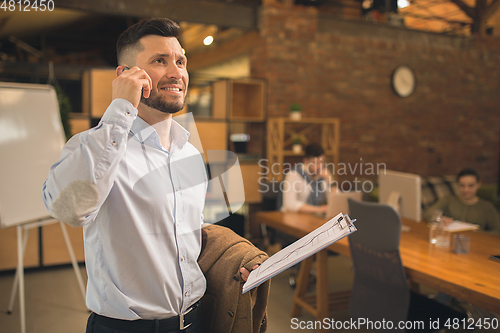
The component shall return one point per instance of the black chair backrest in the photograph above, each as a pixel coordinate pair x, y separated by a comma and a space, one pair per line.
380, 290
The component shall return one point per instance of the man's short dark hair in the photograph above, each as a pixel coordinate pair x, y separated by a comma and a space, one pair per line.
129, 39
468, 172
313, 150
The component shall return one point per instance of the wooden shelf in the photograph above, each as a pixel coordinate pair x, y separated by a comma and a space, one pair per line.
279, 138
306, 120
239, 100
291, 153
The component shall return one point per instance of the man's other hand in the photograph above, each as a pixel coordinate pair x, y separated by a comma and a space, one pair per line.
245, 273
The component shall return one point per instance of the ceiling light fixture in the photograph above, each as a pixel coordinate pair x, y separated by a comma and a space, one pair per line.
403, 3
208, 40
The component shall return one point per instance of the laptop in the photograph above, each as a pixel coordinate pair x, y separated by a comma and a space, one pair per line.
337, 202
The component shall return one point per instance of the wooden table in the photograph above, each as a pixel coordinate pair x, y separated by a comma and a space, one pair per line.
470, 277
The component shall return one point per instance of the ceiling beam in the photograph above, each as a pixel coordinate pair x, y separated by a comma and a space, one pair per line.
224, 14
223, 52
479, 14
492, 8
434, 18
465, 7
41, 71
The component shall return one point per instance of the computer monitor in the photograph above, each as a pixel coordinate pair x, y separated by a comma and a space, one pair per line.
402, 191
337, 201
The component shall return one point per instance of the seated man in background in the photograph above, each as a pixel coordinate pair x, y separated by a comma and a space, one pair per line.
305, 189
468, 207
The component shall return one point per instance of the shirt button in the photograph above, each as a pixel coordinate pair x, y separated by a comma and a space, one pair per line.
182, 258
127, 113
186, 293
114, 143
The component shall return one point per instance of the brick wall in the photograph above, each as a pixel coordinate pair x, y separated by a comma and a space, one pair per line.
342, 69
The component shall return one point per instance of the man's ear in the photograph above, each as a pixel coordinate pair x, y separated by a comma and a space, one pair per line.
120, 69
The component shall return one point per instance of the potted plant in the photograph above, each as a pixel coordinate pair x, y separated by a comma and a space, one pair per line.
295, 111
297, 141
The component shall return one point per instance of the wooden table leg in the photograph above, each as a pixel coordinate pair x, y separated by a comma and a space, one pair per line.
318, 305
321, 285
301, 286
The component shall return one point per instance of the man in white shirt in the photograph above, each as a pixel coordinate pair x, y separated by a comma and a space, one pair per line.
306, 187
137, 186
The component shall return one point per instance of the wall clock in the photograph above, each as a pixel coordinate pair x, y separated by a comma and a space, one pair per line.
403, 81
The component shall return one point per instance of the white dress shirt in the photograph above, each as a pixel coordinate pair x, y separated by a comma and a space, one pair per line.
141, 209
296, 192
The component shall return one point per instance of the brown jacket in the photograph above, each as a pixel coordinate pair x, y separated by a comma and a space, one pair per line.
224, 308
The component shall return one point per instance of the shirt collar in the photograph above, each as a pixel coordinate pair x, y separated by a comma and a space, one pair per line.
143, 131
179, 134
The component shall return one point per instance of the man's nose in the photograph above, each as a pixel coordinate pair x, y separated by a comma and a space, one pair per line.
174, 72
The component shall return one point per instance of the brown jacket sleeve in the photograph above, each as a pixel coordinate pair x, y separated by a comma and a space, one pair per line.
224, 308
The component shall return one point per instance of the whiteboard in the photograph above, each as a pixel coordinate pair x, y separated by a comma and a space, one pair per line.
31, 140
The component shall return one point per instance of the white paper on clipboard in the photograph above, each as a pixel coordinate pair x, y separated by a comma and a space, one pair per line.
329, 233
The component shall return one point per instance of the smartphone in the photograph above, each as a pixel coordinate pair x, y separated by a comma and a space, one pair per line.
126, 68
496, 258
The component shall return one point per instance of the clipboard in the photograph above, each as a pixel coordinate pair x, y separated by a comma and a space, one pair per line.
330, 232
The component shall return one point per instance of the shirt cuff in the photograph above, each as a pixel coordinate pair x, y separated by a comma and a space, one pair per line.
120, 112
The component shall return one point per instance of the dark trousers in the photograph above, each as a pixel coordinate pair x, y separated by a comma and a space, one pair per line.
94, 327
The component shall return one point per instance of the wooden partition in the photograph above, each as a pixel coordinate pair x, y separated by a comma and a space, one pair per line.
8, 249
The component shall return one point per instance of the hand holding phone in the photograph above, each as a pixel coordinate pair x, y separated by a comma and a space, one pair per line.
131, 83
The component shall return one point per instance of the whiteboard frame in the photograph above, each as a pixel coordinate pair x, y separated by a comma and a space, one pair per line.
27, 155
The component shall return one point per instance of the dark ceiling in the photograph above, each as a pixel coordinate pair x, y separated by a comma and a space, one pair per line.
88, 38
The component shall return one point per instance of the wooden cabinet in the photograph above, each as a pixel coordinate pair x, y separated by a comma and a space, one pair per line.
79, 123
242, 100
8, 249
236, 103
54, 249
250, 172
240, 103
209, 135
97, 91
280, 133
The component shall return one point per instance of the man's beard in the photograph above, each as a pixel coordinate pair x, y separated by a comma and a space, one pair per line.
156, 102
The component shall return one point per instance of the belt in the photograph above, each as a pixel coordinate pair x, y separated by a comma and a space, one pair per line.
177, 323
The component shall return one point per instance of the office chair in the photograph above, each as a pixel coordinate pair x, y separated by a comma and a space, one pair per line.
380, 289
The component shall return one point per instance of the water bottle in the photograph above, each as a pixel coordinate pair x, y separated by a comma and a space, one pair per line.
434, 225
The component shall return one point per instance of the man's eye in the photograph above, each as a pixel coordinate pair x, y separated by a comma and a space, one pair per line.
181, 62
160, 61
